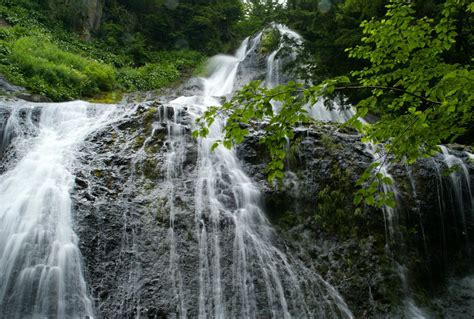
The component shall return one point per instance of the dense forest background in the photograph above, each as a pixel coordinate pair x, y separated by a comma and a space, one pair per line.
147, 44
99, 49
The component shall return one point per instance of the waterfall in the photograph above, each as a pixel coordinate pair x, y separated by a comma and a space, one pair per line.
255, 278
40, 263
459, 191
287, 52
174, 162
393, 235
274, 61
453, 193
170, 227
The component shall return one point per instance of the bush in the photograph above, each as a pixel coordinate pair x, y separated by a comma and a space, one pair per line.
148, 77
57, 73
50, 61
168, 68
182, 59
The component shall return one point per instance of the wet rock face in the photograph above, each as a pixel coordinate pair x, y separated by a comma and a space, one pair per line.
36, 98
16, 119
122, 217
7, 87
122, 209
313, 211
4, 116
346, 250
253, 66
440, 219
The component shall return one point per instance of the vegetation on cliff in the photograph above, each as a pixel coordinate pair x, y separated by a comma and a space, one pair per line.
410, 64
418, 80
43, 56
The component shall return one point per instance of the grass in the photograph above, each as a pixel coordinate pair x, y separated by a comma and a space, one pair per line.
50, 61
56, 73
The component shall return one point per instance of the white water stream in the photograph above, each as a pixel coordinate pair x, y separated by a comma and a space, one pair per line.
40, 263
225, 194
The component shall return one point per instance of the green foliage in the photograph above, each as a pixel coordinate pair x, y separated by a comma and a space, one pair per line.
258, 14
422, 99
270, 40
147, 77
52, 62
67, 13
205, 26
374, 188
46, 69
254, 103
329, 143
168, 69
335, 212
451, 170
328, 27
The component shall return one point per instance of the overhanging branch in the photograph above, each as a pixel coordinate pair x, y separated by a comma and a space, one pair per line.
386, 88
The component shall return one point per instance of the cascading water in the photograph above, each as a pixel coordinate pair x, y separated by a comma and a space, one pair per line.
171, 230
263, 281
40, 263
459, 190
274, 61
453, 193
174, 163
279, 58
393, 235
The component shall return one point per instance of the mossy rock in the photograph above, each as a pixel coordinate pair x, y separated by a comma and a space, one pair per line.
98, 173
150, 169
270, 40
139, 140
149, 117
113, 97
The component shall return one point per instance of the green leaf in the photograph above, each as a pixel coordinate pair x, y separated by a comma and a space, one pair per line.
215, 145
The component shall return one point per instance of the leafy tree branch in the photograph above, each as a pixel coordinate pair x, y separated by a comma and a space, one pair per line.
410, 82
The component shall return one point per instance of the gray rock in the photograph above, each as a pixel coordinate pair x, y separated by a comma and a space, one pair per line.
121, 207
8, 87
35, 98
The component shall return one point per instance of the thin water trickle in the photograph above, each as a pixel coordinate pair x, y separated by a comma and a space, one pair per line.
459, 191
393, 236
416, 206
174, 163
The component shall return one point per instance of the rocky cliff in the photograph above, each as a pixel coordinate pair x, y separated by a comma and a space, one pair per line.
122, 217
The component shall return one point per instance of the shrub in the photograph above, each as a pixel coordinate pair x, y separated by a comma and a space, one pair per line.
40, 55
168, 68
148, 77
57, 73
